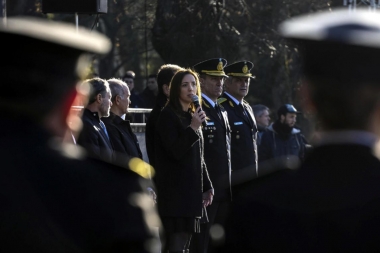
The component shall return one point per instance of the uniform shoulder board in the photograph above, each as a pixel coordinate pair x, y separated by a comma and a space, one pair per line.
204, 103
221, 100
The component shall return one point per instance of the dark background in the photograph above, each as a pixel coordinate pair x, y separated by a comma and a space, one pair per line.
148, 33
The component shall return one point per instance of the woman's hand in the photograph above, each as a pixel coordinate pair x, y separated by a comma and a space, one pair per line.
198, 117
208, 197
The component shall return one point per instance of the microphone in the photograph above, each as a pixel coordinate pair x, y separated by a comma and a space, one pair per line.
195, 100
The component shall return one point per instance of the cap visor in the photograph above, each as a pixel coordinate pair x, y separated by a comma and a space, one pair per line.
211, 74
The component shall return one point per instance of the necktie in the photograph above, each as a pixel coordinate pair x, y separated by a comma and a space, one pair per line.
242, 107
245, 113
104, 128
218, 111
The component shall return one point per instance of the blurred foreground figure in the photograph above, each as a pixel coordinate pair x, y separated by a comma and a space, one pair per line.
332, 202
52, 199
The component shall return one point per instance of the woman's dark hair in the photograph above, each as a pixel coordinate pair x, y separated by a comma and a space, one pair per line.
175, 89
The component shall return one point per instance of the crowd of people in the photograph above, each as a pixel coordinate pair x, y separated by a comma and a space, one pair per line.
201, 133
145, 99
220, 176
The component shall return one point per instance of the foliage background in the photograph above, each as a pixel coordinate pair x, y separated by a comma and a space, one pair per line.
148, 33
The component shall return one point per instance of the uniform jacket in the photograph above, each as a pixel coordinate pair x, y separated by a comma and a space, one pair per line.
123, 139
181, 174
273, 145
52, 202
217, 143
93, 138
330, 204
243, 134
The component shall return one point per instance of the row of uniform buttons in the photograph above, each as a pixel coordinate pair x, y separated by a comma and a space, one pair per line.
238, 136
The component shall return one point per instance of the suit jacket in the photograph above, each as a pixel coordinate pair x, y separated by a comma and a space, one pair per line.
330, 204
243, 134
150, 128
94, 139
123, 140
217, 143
52, 202
181, 173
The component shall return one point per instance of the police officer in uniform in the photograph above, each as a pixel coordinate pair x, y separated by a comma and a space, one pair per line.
240, 116
217, 153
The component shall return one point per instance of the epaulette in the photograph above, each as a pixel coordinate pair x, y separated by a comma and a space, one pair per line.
204, 103
221, 100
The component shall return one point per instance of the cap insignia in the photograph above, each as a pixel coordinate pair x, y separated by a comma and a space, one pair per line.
220, 66
245, 69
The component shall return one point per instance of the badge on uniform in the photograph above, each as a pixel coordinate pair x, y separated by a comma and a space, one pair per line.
210, 140
210, 123
238, 123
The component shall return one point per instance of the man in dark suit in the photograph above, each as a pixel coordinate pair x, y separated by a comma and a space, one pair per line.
125, 143
94, 136
54, 199
332, 202
240, 116
123, 139
217, 154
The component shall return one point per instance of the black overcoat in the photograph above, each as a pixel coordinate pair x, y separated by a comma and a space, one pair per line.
123, 140
93, 138
181, 174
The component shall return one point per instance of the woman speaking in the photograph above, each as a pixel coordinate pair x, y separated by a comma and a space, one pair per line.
183, 185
